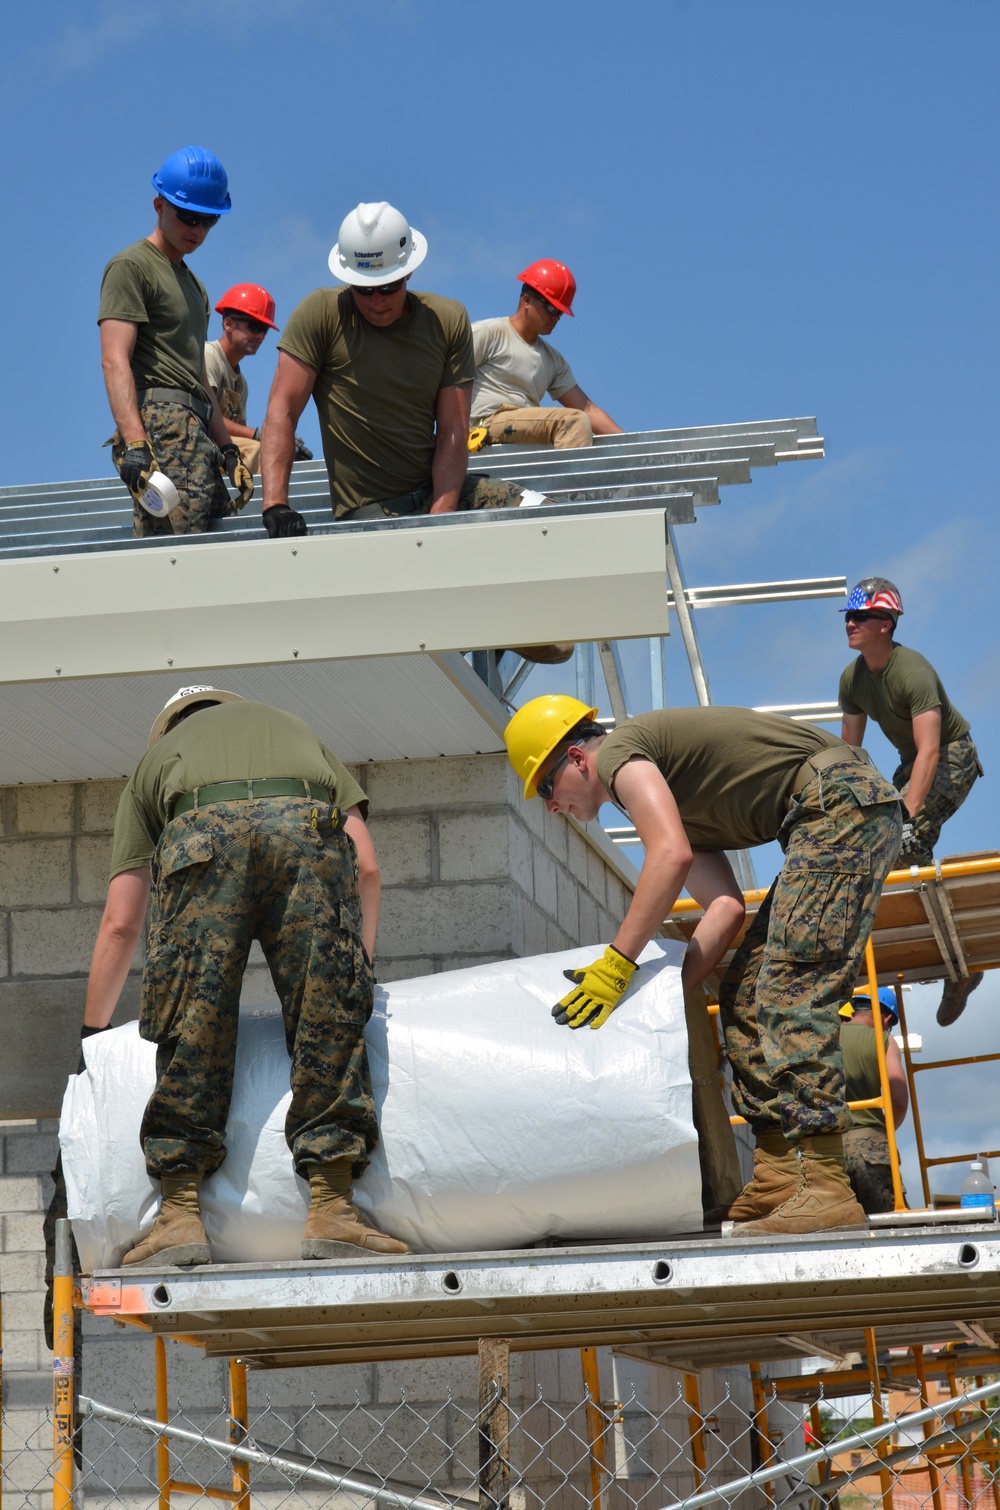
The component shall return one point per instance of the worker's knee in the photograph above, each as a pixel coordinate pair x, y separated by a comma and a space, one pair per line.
571, 427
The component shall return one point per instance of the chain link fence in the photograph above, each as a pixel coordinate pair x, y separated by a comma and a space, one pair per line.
586, 1455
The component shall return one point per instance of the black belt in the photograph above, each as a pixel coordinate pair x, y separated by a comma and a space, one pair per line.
248, 791
843, 754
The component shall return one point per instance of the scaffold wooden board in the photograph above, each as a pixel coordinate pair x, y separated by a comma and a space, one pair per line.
935, 923
711, 1299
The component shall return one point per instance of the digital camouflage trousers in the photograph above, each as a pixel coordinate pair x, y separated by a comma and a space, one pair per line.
866, 1154
186, 453
275, 870
479, 491
802, 954
957, 769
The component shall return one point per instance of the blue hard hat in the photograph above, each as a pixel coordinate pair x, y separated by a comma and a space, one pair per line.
192, 178
886, 997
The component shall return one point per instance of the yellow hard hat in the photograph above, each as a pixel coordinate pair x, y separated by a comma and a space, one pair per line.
847, 1010
537, 728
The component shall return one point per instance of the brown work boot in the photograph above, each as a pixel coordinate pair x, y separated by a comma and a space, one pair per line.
775, 1178
545, 655
177, 1236
333, 1228
823, 1200
954, 996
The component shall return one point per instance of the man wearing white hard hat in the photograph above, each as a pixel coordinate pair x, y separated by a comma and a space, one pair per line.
170, 448
245, 827
390, 372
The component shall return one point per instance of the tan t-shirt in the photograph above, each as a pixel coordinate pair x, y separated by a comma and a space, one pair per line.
170, 307
376, 389
230, 742
906, 685
229, 383
731, 770
512, 371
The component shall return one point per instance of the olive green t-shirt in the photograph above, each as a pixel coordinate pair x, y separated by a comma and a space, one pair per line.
857, 1041
731, 771
170, 307
376, 390
230, 742
906, 685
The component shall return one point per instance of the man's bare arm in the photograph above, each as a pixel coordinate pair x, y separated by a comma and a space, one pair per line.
118, 338
290, 392
711, 882
899, 1094
852, 727
927, 738
600, 420
369, 876
641, 789
117, 937
451, 446
217, 425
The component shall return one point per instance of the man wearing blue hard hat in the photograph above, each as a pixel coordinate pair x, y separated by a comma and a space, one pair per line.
901, 692
171, 447
866, 1144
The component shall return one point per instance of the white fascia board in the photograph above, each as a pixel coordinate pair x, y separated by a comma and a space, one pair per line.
482, 584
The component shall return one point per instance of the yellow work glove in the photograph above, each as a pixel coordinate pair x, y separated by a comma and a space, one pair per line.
599, 989
239, 475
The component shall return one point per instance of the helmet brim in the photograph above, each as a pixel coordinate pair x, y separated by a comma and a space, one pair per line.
358, 279
189, 204
163, 720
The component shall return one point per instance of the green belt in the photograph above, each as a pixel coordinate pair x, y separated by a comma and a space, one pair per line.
176, 396
843, 754
248, 791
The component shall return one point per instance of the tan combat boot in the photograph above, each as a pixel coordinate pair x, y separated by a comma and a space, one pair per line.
333, 1228
775, 1178
823, 1200
177, 1236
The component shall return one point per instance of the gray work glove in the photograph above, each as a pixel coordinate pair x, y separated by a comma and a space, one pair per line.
302, 451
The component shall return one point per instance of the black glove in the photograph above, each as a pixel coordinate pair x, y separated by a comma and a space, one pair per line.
239, 475
302, 451
88, 1032
135, 466
281, 521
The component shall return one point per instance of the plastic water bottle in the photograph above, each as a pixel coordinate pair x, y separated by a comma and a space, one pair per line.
977, 1189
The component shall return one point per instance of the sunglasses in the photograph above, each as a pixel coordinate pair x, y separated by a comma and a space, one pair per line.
549, 309
544, 786
381, 288
255, 327
195, 220
862, 615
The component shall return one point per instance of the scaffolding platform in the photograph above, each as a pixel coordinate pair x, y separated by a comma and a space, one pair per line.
696, 1302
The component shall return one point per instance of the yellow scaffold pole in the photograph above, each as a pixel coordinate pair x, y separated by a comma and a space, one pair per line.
63, 1369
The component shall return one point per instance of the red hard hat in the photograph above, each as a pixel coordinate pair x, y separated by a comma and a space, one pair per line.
554, 281
248, 299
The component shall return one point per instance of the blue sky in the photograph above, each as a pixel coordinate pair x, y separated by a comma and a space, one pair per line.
770, 209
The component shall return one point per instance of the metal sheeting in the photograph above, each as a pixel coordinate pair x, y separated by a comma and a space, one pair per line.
684, 467
392, 708
682, 1298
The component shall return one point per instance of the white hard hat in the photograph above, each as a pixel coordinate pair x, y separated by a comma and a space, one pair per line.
376, 245
180, 700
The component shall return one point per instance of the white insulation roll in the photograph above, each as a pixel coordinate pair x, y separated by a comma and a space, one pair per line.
498, 1126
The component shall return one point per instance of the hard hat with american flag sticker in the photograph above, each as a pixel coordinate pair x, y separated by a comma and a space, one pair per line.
875, 594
